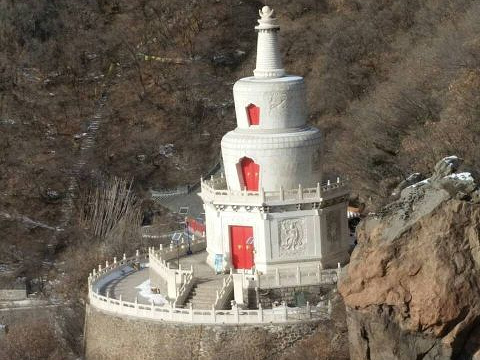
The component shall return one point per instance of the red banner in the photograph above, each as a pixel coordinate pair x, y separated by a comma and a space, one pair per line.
195, 226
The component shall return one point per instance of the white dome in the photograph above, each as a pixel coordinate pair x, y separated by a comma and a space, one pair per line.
285, 159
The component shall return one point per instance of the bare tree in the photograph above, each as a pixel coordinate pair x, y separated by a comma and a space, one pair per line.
112, 212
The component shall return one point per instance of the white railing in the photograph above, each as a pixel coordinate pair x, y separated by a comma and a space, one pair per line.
184, 290
169, 312
109, 268
298, 276
225, 293
216, 190
280, 314
179, 281
175, 278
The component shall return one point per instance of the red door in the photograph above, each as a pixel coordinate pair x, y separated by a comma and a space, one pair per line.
241, 241
250, 172
253, 113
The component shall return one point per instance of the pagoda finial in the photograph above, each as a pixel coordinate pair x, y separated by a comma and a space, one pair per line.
269, 61
267, 18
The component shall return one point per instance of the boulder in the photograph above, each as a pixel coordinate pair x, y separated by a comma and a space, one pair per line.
412, 288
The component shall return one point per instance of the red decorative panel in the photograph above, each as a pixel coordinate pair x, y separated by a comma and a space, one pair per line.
250, 173
241, 246
253, 113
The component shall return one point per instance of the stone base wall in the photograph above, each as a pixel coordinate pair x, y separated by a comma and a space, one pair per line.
292, 295
112, 337
13, 294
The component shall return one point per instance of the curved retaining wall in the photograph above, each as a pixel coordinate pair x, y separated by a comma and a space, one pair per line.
113, 337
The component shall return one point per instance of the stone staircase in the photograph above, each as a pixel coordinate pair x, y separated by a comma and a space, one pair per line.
204, 293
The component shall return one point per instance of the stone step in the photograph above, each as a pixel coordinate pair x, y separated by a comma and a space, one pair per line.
209, 299
208, 289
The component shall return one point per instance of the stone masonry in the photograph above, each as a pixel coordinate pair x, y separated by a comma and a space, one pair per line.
293, 296
111, 337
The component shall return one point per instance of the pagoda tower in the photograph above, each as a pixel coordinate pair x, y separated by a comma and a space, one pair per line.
270, 209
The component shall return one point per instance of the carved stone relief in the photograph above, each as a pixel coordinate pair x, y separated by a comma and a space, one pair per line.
292, 237
277, 99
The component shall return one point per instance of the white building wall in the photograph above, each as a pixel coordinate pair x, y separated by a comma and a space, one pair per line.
278, 245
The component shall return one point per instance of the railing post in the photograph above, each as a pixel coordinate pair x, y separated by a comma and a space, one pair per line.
106, 263
260, 313
277, 277
300, 192
120, 300
137, 253
161, 247
262, 195
237, 318
318, 190
99, 268
285, 309
299, 278
136, 305
191, 312
124, 256
115, 260
214, 316
319, 274
309, 310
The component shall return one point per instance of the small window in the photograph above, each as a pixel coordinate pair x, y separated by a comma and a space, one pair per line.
253, 114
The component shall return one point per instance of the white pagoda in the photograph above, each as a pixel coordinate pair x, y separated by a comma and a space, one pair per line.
271, 209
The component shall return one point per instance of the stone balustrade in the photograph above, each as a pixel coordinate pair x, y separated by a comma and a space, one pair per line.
169, 312
225, 294
286, 277
179, 281
95, 277
297, 276
215, 190
185, 289
280, 314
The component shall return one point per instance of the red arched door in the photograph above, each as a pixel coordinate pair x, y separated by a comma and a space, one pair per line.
253, 113
250, 173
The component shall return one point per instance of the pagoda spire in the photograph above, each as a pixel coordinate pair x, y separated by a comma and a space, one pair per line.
269, 61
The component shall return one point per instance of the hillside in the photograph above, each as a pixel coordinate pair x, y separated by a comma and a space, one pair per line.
394, 85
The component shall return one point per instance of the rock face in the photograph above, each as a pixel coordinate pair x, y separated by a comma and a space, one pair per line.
412, 288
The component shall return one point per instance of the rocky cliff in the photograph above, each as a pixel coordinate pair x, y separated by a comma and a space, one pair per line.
412, 288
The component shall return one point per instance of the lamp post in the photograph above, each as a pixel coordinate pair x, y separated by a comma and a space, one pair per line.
189, 251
